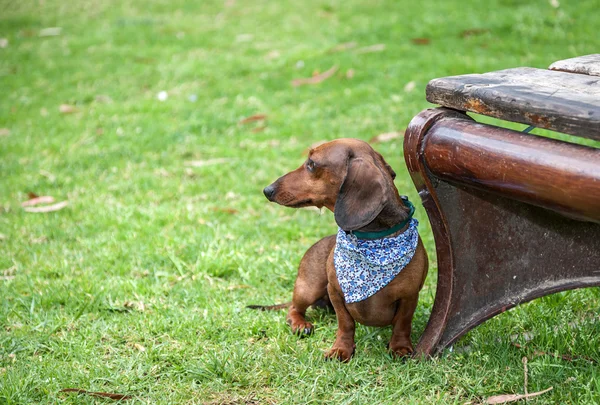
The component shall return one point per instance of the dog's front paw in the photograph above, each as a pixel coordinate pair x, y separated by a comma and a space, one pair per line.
342, 354
301, 328
401, 350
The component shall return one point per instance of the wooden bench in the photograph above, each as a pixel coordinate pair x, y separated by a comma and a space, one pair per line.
515, 216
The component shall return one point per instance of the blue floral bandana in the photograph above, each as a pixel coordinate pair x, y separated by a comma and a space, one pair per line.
365, 266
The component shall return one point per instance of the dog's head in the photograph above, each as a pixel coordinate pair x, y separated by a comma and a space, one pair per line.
346, 176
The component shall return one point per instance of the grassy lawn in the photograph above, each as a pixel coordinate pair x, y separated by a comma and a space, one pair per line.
139, 285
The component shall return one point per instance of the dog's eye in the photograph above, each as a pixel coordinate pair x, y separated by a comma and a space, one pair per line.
310, 165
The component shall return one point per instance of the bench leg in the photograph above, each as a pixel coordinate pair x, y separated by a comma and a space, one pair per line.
493, 252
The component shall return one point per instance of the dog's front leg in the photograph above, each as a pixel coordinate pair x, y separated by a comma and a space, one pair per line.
311, 284
343, 347
400, 344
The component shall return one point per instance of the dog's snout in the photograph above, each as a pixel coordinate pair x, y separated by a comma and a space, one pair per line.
269, 192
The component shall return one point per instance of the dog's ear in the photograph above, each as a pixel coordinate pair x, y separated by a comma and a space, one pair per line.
362, 195
385, 164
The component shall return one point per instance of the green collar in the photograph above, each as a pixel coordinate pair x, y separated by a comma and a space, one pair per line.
393, 229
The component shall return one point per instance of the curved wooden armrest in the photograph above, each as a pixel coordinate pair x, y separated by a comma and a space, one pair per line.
514, 217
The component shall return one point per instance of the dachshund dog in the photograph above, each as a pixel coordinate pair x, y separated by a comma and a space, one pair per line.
373, 269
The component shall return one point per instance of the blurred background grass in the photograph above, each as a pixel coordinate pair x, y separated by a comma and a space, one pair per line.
139, 285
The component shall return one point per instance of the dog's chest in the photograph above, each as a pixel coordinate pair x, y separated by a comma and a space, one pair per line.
364, 267
377, 310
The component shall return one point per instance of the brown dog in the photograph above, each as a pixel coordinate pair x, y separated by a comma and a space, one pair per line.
351, 179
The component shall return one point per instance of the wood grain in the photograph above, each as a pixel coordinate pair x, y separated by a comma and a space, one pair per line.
556, 175
559, 101
585, 65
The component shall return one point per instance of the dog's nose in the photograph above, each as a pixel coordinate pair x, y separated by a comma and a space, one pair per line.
269, 192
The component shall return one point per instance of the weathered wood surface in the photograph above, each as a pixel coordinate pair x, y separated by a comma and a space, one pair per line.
585, 65
559, 101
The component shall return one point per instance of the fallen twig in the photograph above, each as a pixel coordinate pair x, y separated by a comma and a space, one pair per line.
47, 208
473, 31
343, 47
503, 399
421, 41
524, 360
253, 118
67, 109
386, 137
371, 48
46, 199
259, 129
116, 397
315, 79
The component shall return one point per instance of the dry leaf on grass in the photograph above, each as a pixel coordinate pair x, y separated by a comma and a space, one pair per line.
3, 42
343, 47
237, 287
50, 32
4, 132
162, 172
421, 41
137, 305
9, 273
47, 208
386, 137
48, 175
27, 33
410, 86
473, 31
35, 200
67, 109
316, 78
207, 162
139, 347
225, 210
231, 195
274, 54
244, 38
259, 118
349, 73
371, 48
527, 336
116, 397
504, 399
38, 240
253, 118
103, 98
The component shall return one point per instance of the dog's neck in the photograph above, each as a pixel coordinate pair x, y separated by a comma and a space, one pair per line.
391, 215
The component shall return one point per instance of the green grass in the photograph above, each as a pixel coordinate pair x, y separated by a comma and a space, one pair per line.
139, 285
